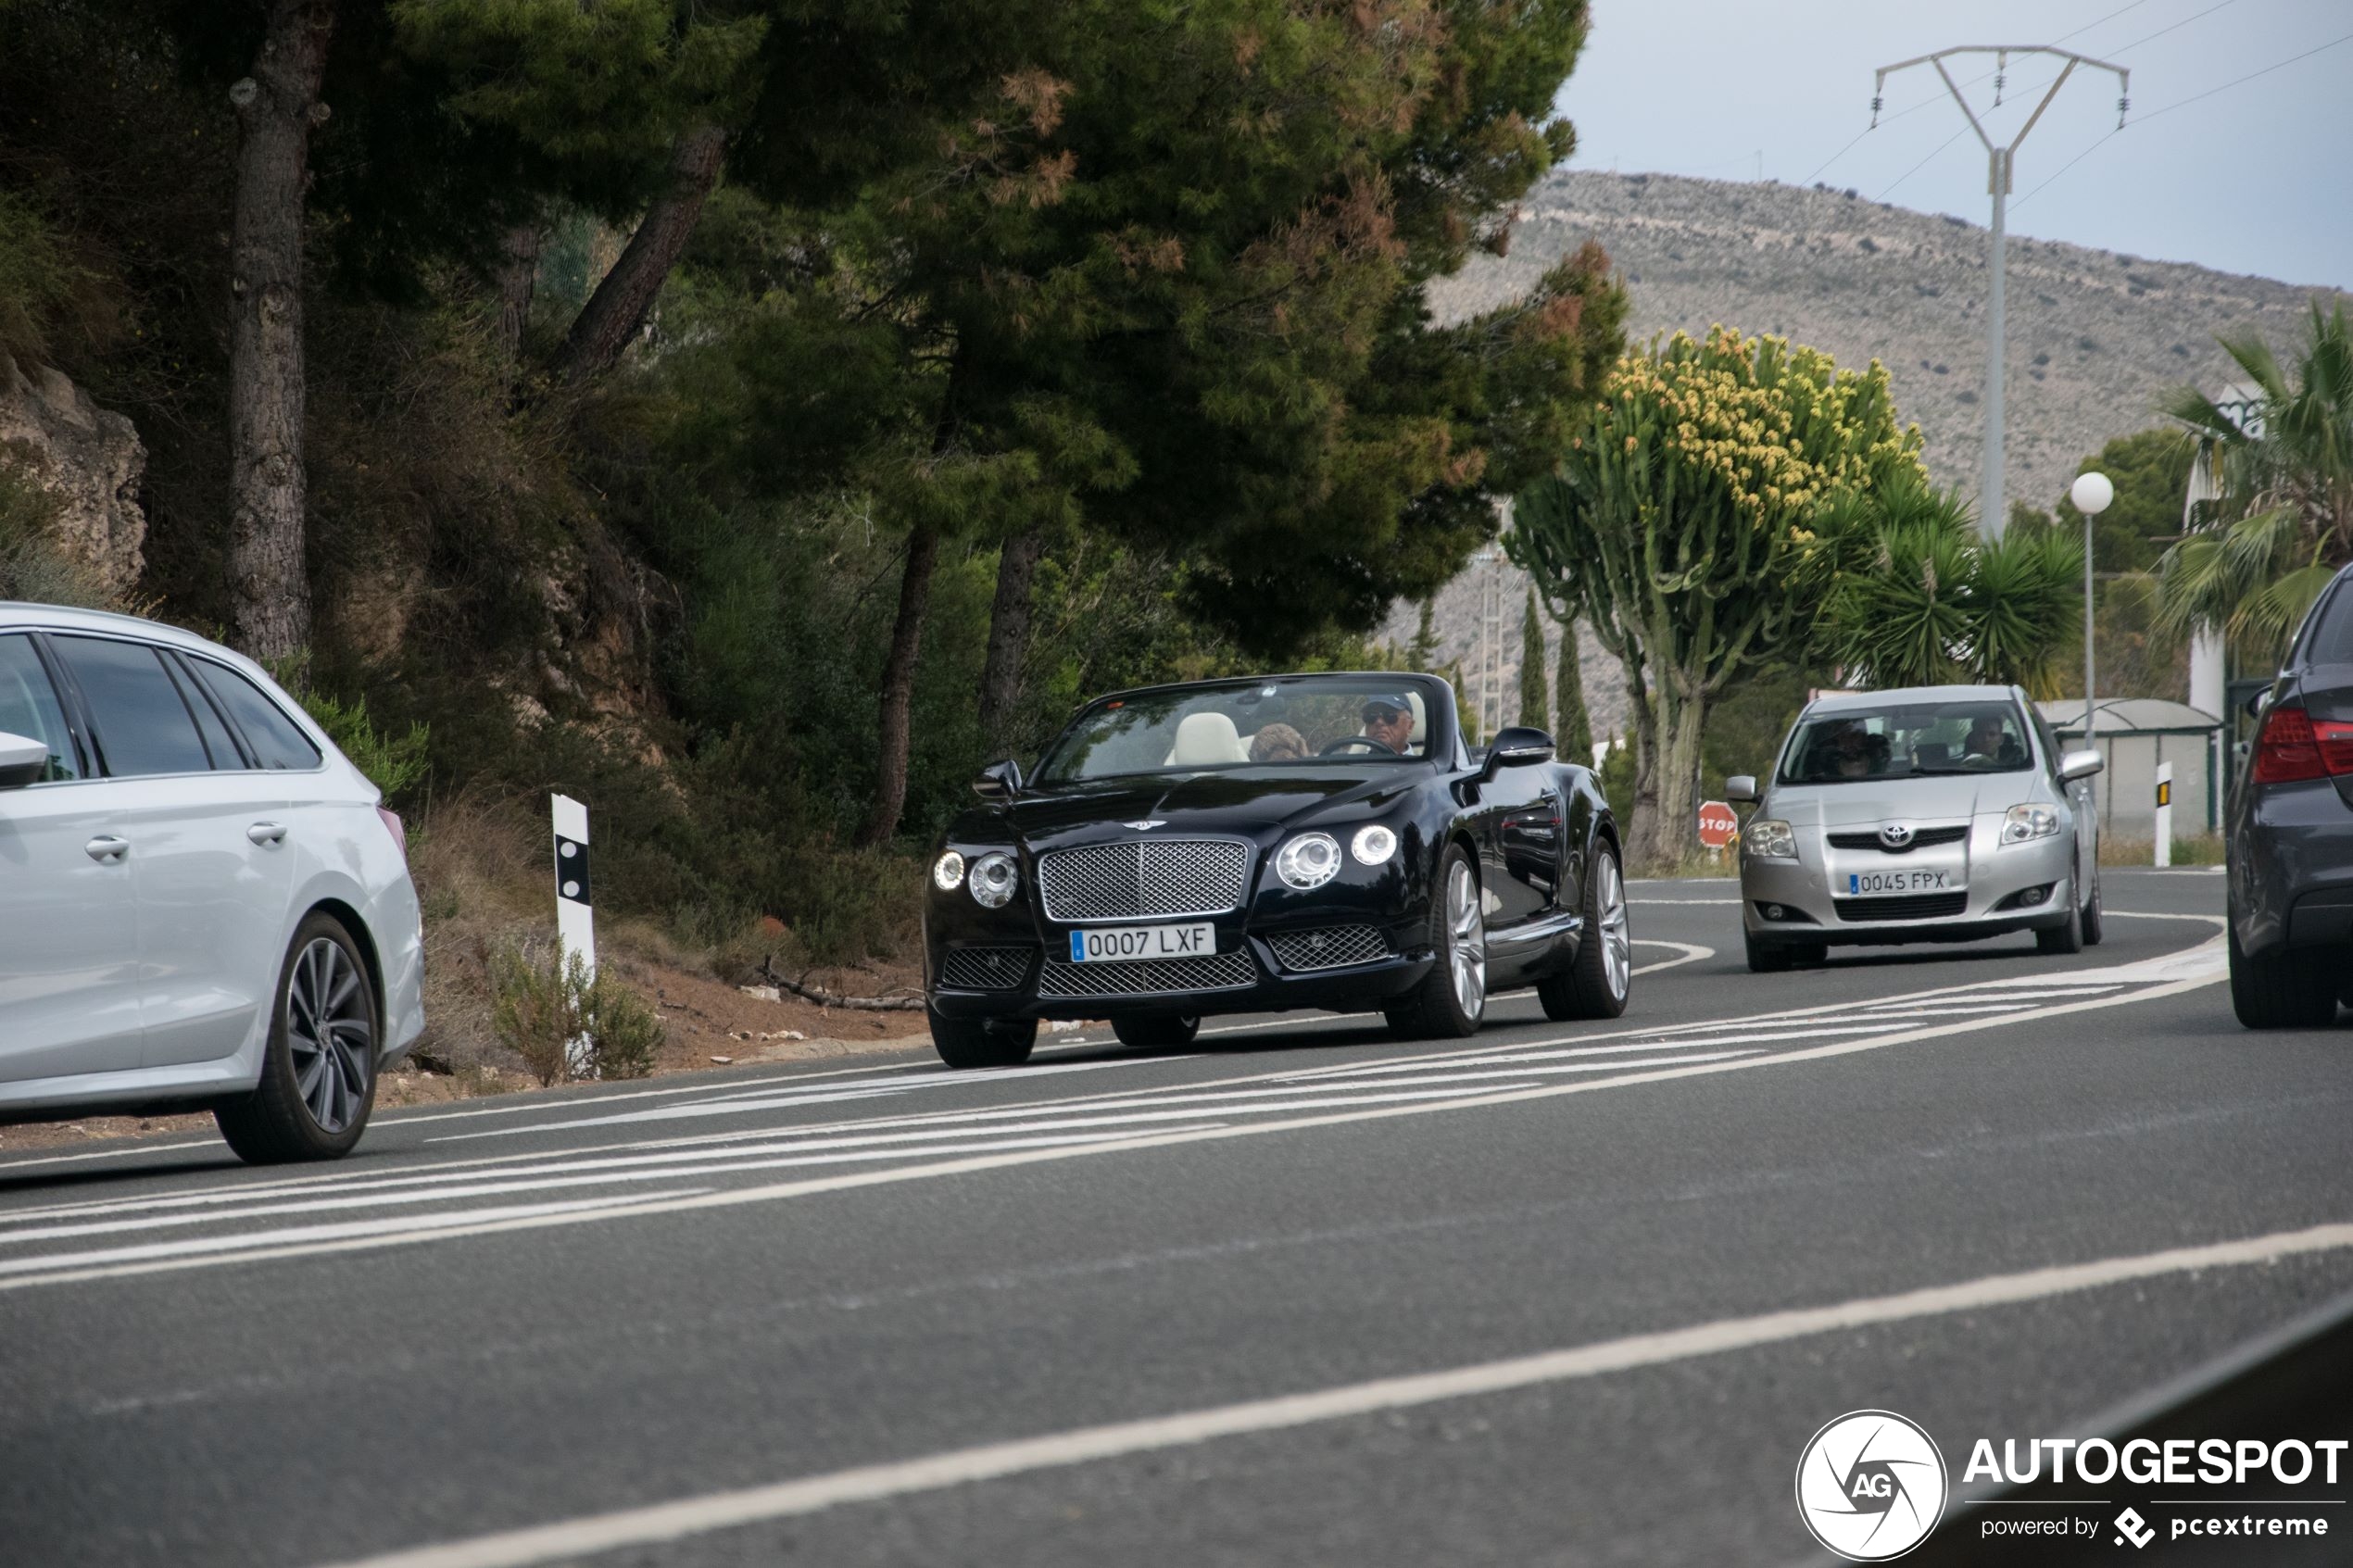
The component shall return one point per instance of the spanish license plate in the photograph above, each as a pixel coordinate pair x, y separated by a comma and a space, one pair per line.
1119, 944
1914, 881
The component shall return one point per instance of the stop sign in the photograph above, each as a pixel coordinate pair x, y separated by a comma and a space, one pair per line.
1717, 824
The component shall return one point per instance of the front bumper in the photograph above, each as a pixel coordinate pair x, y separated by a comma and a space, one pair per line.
1273, 987
1997, 875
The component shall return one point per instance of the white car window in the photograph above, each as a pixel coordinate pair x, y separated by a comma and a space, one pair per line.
141, 725
28, 706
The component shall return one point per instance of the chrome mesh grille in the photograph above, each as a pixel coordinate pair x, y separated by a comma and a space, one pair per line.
1334, 948
1146, 878
1903, 906
1146, 977
986, 968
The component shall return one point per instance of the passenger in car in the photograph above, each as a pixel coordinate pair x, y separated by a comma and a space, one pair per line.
1278, 742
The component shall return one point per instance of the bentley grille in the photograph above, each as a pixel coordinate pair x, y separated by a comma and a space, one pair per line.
985, 968
1903, 906
1146, 977
1336, 948
1144, 879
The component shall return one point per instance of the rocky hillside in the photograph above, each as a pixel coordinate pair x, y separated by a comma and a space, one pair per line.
2094, 337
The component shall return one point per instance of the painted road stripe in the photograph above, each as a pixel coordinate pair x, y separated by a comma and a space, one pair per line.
662, 1523
2199, 967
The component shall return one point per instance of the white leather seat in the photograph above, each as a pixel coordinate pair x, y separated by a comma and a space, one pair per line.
1206, 738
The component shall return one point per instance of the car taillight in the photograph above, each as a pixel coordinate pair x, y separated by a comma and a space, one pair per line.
2294, 746
399, 834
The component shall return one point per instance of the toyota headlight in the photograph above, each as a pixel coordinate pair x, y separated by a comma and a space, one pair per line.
948, 872
1768, 838
1309, 861
2028, 822
1373, 845
992, 879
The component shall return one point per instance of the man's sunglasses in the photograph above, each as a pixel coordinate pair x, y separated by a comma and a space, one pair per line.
1381, 715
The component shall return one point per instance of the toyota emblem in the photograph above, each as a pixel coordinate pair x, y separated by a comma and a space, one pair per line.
1896, 836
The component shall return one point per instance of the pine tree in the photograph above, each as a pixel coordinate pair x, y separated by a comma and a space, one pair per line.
1575, 733
1424, 643
1535, 702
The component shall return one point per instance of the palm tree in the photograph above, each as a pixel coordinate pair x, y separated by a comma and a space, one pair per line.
2284, 522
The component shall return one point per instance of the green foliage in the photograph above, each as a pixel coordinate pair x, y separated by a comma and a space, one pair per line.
1466, 711
35, 275
394, 763
1424, 648
2260, 555
1680, 525
1923, 600
540, 1006
31, 566
1575, 732
1618, 784
1535, 701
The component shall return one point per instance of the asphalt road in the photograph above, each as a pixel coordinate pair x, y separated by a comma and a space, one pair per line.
1301, 1296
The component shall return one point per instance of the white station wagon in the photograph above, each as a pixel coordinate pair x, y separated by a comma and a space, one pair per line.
203, 904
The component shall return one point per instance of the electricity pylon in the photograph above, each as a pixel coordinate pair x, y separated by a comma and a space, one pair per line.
1993, 511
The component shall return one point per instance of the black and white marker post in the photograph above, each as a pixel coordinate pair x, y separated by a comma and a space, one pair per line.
575, 919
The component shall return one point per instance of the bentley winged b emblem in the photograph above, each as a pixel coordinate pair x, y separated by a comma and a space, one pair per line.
1146, 825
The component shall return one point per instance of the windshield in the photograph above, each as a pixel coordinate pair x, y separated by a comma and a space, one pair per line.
1299, 721
1907, 741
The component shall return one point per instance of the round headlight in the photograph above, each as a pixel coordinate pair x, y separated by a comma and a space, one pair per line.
992, 879
1373, 845
948, 872
1309, 861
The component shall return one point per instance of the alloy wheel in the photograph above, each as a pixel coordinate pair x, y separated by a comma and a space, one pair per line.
329, 1033
1467, 932
1617, 942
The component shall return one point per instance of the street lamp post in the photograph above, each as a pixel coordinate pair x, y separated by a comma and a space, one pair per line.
2091, 493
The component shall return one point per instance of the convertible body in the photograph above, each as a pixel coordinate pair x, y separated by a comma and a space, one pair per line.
1245, 846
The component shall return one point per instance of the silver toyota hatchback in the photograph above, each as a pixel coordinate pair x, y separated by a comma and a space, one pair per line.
1926, 814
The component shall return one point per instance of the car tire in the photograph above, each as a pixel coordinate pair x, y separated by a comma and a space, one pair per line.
1452, 998
2281, 990
1155, 1031
1765, 957
2065, 938
1596, 985
315, 1094
964, 1043
2092, 922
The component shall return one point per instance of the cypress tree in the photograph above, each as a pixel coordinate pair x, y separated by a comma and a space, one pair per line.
1424, 642
1535, 702
1575, 731
1463, 707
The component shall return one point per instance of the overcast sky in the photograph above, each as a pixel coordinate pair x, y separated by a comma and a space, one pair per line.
2257, 178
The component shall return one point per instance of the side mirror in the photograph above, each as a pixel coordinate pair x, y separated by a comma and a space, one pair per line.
23, 762
2257, 702
999, 781
1742, 787
2077, 765
1516, 745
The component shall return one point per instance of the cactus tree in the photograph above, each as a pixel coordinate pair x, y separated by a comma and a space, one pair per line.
1680, 527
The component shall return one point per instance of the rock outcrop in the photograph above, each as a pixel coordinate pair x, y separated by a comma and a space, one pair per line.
87, 458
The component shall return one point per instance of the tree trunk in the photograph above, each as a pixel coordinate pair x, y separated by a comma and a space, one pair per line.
1675, 828
277, 108
617, 310
518, 275
1641, 823
898, 687
1008, 639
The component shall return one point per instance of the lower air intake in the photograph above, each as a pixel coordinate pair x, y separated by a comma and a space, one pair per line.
1909, 906
1336, 948
1147, 977
986, 968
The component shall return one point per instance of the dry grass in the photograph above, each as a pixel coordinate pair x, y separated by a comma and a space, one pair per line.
2205, 849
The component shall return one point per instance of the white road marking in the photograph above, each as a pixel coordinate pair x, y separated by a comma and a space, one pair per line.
662, 1523
2199, 967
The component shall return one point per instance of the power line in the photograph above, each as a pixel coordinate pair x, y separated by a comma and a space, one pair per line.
2185, 102
2163, 31
1924, 162
2087, 26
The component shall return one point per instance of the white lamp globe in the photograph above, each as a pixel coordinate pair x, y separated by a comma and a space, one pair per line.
2091, 493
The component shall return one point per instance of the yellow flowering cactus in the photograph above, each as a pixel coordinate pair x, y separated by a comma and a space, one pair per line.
1683, 525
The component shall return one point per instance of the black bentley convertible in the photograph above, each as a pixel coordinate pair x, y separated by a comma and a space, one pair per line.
1252, 846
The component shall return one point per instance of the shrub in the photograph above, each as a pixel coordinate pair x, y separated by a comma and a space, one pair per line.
539, 1008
